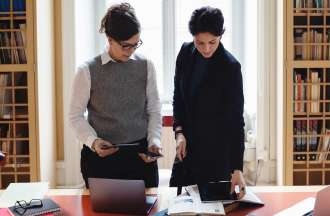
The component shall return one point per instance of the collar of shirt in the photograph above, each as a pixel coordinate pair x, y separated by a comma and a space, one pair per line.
105, 57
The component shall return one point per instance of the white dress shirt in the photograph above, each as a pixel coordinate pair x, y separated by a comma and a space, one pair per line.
81, 95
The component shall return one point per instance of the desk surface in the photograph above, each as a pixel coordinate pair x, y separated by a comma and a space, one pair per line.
76, 202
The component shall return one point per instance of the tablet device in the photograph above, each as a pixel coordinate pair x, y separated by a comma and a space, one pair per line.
153, 154
119, 145
216, 191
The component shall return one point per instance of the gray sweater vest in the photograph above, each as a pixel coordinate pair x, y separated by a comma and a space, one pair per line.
117, 105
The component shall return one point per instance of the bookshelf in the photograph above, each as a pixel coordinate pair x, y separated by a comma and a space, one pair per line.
17, 92
308, 92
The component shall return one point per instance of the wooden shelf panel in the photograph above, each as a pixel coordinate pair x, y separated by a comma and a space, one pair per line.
308, 92
17, 73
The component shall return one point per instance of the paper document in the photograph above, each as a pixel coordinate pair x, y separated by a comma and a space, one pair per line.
23, 191
187, 205
299, 208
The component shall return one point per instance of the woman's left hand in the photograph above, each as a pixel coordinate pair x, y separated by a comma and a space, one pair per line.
238, 179
148, 159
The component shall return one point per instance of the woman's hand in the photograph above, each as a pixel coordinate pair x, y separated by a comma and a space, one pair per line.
238, 179
181, 144
104, 148
148, 159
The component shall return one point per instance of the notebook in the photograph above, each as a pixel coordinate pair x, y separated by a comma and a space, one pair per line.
49, 206
22, 191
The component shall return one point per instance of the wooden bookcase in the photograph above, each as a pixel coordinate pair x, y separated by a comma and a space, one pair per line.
17, 92
307, 146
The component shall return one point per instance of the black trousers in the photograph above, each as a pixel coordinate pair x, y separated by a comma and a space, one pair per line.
124, 164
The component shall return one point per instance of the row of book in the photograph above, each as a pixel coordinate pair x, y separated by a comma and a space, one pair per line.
311, 4
12, 45
4, 97
5, 146
301, 93
312, 52
8, 143
311, 143
17, 5
315, 35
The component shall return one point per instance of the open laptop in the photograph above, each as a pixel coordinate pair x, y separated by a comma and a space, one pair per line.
318, 206
321, 206
120, 196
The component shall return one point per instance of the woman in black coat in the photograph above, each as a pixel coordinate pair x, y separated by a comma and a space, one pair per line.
208, 105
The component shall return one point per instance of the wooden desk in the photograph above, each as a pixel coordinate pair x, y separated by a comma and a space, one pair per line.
76, 202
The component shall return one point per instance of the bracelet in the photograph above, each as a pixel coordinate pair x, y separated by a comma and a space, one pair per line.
177, 132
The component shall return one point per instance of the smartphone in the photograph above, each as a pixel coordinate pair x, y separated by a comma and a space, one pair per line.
216, 191
153, 154
106, 146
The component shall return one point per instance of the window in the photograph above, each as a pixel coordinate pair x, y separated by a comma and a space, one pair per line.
149, 14
165, 28
183, 10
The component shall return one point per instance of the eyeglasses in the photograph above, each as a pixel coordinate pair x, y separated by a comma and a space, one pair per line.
128, 46
22, 206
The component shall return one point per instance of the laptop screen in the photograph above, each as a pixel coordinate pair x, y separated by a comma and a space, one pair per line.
119, 196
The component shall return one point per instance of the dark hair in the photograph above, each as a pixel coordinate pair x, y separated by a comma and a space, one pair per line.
207, 19
120, 22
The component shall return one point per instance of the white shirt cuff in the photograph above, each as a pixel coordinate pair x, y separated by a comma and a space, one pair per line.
90, 140
154, 141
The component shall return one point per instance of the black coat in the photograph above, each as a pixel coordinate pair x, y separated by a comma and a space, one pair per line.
211, 114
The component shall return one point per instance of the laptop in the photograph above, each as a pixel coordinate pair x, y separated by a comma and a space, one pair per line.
321, 206
120, 196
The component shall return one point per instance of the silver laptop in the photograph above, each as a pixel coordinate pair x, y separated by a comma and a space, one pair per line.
120, 196
321, 206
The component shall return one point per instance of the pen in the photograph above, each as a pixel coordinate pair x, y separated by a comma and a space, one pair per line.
308, 213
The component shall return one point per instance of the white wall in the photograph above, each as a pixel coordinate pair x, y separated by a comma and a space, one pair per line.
45, 88
280, 105
68, 170
79, 35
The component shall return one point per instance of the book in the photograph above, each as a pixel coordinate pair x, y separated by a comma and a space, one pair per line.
49, 206
2, 158
325, 146
186, 205
228, 208
22, 191
315, 92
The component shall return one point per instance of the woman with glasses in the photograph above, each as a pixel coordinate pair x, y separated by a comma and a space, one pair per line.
118, 89
208, 107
